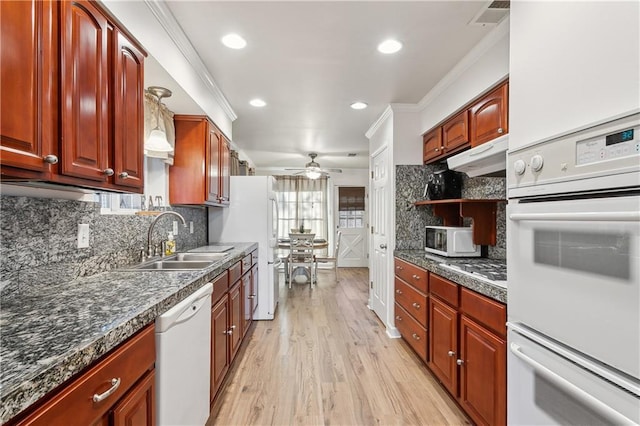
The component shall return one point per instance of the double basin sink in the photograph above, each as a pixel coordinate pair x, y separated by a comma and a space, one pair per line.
179, 262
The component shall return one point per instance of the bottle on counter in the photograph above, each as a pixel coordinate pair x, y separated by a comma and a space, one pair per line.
171, 245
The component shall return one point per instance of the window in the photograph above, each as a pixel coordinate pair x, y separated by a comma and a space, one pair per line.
351, 207
302, 202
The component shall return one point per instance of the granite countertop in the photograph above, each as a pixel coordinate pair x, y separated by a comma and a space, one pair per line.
49, 333
432, 264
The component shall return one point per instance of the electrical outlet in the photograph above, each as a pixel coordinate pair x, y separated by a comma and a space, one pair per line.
175, 227
191, 227
83, 235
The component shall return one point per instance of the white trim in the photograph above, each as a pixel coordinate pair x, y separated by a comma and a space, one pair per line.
393, 332
164, 16
501, 30
406, 107
376, 124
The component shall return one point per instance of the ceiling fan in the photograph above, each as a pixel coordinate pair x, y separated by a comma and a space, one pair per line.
312, 170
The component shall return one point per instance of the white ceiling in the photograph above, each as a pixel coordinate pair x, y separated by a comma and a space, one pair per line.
310, 60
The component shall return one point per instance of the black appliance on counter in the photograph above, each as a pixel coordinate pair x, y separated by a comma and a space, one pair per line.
444, 184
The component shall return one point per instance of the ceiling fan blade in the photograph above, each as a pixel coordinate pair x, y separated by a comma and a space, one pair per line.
296, 169
332, 170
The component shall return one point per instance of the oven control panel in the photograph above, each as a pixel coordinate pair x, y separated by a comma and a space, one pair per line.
606, 147
601, 156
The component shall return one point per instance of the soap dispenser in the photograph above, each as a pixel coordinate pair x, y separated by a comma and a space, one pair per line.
171, 245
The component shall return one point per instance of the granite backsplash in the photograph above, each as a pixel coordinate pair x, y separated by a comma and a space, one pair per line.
411, 220
38, 239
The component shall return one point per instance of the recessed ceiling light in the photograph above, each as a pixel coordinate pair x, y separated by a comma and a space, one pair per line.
358, 105
257, 103
389, 46
234, 41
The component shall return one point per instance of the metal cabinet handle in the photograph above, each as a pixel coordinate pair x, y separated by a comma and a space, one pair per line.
416, 277
123, 175
229, 332
451, 353
437, 150
51, 159
398, 318
399, 291
500, 130
115, 384
400, 268
108, 172
459, 362
415, 336
251, 296
416, 305
233, 327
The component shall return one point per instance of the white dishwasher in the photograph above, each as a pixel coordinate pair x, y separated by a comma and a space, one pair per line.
183, 346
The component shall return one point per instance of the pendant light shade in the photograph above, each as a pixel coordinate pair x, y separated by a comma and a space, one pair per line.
157, 141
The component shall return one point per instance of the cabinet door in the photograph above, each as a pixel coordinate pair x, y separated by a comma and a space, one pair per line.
137, 408
213, 167
235, 318
28, 79
220, 344
254, 290
432, 145
247, 313
483, 377
225, 169
455, 132
84, 91
128, 112
443, 337
489, 116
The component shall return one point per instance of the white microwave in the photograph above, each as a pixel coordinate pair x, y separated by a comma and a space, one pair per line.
451, 241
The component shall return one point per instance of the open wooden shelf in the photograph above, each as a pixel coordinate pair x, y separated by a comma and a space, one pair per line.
481, 212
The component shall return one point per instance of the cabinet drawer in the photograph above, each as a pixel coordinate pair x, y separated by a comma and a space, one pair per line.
127, 364
489, 312
246, 263
444, 289
220, 287
412, 274
414, 302
235, 272
411, 331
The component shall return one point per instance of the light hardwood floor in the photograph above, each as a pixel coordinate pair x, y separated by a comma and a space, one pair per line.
326, 360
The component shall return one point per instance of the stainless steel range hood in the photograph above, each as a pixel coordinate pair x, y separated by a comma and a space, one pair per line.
488, 158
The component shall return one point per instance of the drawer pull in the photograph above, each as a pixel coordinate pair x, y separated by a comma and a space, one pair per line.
416, 305
398, 318
417, 277
399, 291
115, 384
451, 353
400, 268
415, 336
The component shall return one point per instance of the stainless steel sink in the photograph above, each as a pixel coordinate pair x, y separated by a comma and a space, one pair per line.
173, 265
211, 257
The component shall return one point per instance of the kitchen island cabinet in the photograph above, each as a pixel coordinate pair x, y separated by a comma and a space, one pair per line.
81, 122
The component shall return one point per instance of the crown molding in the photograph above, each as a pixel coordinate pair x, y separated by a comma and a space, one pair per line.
501, 30
164, 16
388, 111
406, 107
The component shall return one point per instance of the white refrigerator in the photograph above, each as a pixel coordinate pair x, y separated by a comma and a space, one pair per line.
252, 216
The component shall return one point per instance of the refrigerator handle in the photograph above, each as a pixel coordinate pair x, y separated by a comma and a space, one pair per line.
275, 209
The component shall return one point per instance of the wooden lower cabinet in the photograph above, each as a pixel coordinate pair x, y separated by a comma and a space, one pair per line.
247, 308
220, 344
235, 319
443, 341
411, 331
123, 381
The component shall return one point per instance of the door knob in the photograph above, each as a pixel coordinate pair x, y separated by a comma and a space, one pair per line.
51, 159
383, 246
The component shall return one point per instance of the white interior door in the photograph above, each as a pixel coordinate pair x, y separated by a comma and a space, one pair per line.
353, 225
378, 293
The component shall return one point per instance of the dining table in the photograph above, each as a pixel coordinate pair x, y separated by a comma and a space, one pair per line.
285, 244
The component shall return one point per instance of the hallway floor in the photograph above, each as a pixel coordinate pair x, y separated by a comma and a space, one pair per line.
326, 360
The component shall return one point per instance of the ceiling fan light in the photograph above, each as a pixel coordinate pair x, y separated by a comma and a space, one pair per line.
312, 174
158, 142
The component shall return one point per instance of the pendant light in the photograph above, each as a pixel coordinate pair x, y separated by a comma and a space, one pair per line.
157, 140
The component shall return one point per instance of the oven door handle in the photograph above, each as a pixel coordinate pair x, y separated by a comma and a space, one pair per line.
579, 216
595, 404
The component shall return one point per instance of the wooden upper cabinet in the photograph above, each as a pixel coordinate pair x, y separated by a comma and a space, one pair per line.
84, 91
432, 147
198, 172
455, 132
225, 170
128, 112
489, 115
29, 57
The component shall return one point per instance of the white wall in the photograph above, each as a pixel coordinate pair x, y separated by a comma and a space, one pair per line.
572, 63
407, 137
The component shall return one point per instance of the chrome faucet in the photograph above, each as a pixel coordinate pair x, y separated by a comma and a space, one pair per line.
153, 224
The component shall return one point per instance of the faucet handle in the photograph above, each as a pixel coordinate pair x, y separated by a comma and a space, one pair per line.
143, 254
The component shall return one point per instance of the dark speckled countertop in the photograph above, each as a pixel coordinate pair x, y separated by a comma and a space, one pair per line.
432, 264
49, 333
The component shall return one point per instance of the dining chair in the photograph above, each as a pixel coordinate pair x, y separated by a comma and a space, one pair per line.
333, 259
301, 255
